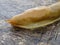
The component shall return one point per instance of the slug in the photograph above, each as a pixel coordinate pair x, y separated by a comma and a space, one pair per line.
37, 17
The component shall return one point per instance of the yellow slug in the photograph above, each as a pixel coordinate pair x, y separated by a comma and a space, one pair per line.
37, 17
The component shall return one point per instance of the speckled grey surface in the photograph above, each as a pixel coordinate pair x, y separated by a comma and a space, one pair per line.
49, 35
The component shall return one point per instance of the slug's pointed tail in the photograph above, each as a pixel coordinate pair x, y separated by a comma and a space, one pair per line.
11, 22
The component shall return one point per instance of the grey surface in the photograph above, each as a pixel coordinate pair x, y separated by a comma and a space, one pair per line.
49, 35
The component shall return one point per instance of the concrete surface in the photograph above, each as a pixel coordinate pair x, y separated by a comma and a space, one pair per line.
49, 35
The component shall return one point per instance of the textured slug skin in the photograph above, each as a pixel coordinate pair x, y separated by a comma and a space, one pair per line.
30, 16
35, 15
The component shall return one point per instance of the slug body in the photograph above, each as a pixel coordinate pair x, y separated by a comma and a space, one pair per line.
37, 17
